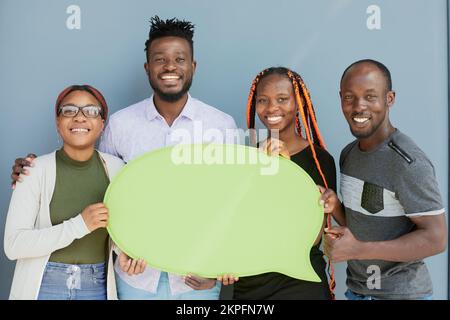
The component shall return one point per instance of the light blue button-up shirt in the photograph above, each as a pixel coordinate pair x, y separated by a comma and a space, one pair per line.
140, 128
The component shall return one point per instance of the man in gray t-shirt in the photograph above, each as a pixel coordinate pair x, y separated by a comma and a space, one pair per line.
392, 214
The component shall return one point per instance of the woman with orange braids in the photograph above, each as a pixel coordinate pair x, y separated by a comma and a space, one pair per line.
282, 102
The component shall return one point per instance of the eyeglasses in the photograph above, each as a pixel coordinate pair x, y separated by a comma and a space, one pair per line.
71, 111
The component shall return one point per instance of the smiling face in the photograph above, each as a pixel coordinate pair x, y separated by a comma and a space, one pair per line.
79, 132
170, 67
365, 101
275, 103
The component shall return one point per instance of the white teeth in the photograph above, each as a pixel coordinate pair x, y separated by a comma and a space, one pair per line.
79, 130
274, 119
360, 120
170, 77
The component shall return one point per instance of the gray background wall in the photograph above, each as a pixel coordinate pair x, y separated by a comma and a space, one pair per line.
234, 40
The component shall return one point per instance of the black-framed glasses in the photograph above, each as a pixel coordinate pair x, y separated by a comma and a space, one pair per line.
71, 111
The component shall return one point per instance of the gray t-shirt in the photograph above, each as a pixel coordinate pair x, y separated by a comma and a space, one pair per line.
381, 190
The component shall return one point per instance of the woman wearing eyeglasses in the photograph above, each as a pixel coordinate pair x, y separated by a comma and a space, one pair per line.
55, 227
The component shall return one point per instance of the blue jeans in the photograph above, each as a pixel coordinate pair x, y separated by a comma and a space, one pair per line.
127, 292
350, 295
73, 282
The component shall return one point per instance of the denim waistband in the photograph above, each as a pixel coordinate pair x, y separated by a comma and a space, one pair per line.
85, 268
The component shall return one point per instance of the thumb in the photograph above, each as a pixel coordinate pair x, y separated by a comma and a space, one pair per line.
339, 231
321, 189
325, 193
123, 258
330, 237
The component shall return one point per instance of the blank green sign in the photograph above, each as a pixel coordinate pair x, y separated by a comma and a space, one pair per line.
216, 209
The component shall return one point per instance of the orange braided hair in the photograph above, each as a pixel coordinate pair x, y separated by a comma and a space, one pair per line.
307, 115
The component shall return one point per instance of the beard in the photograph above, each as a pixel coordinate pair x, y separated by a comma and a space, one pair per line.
171, 97
368, 133
360, 135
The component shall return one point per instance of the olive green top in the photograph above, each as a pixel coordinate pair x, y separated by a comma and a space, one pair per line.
78, 185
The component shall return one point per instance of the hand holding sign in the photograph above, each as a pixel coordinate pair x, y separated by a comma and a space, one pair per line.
221, 218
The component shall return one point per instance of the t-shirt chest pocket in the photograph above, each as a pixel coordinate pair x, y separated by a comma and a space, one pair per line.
372, 198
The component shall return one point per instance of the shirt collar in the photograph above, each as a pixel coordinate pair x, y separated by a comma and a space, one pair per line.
189, 109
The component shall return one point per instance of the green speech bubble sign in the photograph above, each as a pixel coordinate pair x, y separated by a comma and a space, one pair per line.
216, 209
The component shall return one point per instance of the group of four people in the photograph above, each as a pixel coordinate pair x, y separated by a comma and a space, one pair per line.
391, 215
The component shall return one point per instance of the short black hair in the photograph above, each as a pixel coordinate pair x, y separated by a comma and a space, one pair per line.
384, 70
170, 28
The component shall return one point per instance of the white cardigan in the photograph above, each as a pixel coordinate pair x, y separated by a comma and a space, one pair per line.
30, 237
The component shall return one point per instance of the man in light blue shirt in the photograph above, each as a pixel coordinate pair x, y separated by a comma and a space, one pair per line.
169, 117
140, 128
